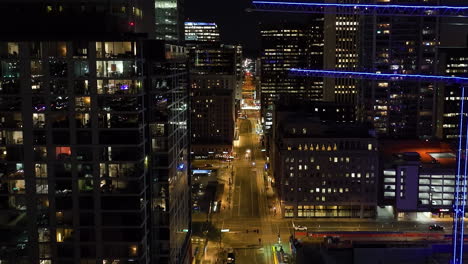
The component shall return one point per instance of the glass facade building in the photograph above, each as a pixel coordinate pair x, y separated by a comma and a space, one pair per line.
168, 132
285, 47
93, 137
78, 159
452, 62
169, 20
403, 45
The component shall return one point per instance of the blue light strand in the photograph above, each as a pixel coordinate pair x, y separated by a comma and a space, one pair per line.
464, 186
362, 5
199, 24
390, 76
455, 259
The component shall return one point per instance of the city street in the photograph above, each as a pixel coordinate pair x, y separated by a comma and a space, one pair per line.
248, 209
251, 226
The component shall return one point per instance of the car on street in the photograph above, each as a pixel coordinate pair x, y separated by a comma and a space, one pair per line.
436, 227
299, 227
231, 258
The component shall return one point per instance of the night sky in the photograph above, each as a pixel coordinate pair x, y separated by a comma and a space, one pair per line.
238, 26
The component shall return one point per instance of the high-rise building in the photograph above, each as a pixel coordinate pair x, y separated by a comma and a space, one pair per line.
168, 101
452, 62
212, 91
197, 32
405, 45
93, 138
239, 72
341, 52
170, 20
214, 80
284, 47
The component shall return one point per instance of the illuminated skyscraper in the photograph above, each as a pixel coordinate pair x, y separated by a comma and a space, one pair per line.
170, 20
199, 32
453, 62
341, 52
285, 47
89, 103
212, 91
407, 45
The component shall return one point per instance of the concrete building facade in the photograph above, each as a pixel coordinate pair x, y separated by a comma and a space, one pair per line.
324, 168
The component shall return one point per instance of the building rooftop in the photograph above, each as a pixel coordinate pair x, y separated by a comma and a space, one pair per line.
309, 126
429, 153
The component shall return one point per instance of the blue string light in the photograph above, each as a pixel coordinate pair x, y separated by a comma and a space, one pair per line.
455, 258
425, 7
377, 76
361, 9
462, 161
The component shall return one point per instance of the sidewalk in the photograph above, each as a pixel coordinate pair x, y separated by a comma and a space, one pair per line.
212, 254
377, 220
274, 205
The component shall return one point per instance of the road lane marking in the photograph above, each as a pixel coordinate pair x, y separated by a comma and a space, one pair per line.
251, 197
239, 201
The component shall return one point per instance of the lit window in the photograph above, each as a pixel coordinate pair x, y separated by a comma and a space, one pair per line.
62, 152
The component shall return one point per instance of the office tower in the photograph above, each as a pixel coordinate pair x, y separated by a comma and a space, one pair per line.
284, 47
239, 72
452, 62
406, 45
168, 125
324, 164
212, 91
196, 32
341, 52
170, 20
85, 136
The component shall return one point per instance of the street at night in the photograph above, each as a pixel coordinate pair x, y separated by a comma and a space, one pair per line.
233, 132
